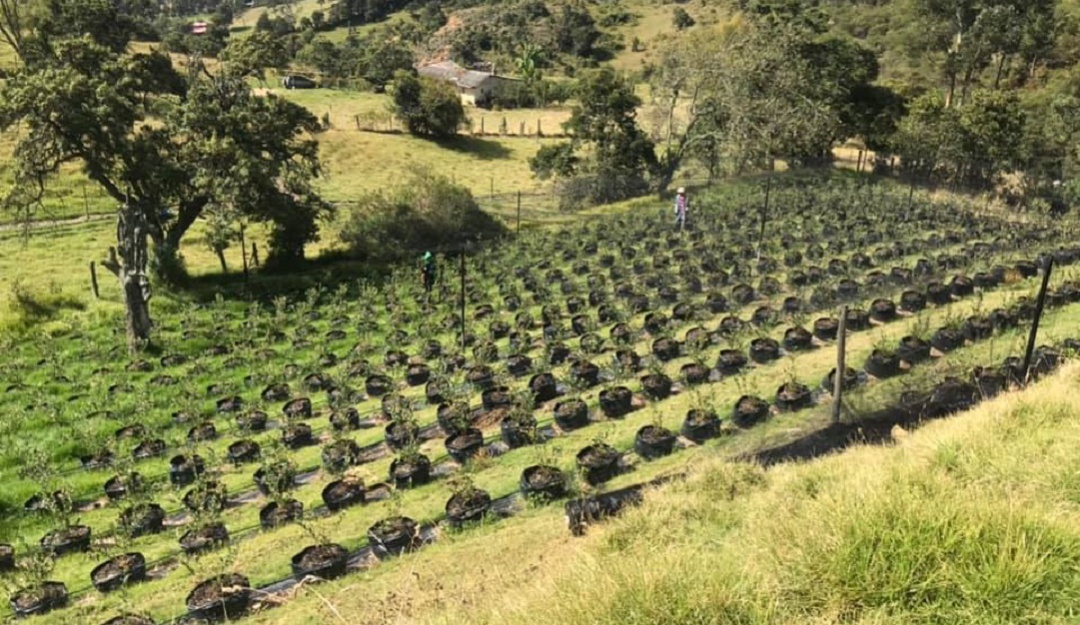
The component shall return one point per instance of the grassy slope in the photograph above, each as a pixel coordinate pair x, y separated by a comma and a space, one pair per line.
968, 520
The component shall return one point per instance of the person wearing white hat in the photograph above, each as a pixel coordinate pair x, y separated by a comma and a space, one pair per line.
682, 205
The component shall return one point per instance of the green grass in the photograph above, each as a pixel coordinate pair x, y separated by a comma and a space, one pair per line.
262, 559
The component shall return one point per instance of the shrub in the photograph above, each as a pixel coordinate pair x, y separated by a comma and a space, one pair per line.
428, 107
427, 212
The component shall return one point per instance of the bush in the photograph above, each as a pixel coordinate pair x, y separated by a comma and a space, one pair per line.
427, 212
429, 108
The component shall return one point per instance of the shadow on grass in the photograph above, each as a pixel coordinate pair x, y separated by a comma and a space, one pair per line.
480, 148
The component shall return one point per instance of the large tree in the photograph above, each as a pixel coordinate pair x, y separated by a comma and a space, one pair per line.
609, 157
163, 145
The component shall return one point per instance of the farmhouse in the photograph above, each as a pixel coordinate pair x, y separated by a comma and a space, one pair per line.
476, 88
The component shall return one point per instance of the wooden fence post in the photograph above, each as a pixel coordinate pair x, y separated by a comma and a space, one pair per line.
841, 364
93, 280
539, 130
481, 126
1039, 304
254, 254
519, 211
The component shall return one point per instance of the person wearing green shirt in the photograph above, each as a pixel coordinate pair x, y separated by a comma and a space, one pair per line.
428, 271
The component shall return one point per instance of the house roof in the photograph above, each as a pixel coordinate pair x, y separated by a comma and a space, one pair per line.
452, 72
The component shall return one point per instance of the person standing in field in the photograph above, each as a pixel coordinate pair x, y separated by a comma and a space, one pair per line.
428, 272
682, 205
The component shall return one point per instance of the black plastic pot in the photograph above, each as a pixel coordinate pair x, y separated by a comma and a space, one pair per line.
480, 376
299, 408
693, 374
1044, 360
701, 425
826, 328
977, 328
731, 361
913, 350
149, 449
297, 435
599, 463
345, 420
616, 402
857, 320
117, 487
417, 374
938, 294
496, 397
66, 540
276, 393
465, 445
851, 379
7, 558
798, 339
279, 478
749, 411
962, 286
653, 441
42, 599
204, 539
467, 507
274, 515
209, 496
221, 598
543, 483
544, 387
518, 430
399, 434
989, 382
378, 385
340, 455
666, 349
883, 310
327, 561
947, 339
656, 386
410, 472
882, 364
254, 421
585, 373
394, 536
628, 359
242, 451
764, 350
912, 301
950, 396
793, 396
143, 519
571, 414
344, 493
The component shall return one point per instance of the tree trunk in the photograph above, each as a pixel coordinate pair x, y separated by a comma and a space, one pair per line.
128, 262
221, 259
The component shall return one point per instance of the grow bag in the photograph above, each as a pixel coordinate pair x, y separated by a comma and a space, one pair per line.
700, 425
394, 536
764, 350
220, 598
882, 364
792, 396
543, 483
326, 561
115, 572
656, 386
204, 539
826, 328
582, 512
571, 414
465, 445
798, 339
410, 472
344, 493
274, 515
653, 441
39, 600
467, 507
66, 540
599, 463
143, 519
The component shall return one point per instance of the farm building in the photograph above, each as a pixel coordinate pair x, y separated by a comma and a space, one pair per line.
476, 88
